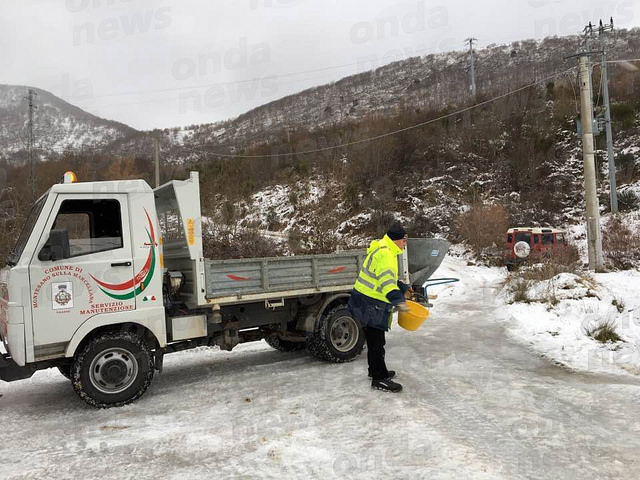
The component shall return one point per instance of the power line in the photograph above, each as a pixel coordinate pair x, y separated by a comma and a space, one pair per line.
255, 79
394, 132
234, 82
250, 80
266, 77
198, 90
565, 72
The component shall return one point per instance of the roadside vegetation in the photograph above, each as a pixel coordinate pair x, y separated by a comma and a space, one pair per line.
604, 332
465, 177
620, 244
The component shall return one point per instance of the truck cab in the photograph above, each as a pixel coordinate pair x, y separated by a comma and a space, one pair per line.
87, 250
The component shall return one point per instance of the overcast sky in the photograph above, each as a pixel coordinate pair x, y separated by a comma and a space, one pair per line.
166, 63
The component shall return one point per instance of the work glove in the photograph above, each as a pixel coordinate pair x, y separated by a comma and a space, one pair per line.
403, 307
409, 293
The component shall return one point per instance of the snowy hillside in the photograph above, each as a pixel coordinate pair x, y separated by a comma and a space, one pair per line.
58, 125
426, 83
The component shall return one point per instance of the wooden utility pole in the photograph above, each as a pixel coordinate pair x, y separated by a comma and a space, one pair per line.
594, 239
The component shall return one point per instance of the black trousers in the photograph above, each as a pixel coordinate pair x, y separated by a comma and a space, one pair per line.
375, 353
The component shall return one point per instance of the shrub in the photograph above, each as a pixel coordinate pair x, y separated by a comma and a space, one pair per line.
422, 226
619, 304
519, 288
620, 245
625, 166
628, 201
555, 262
483, 225
604, 332
315, 240
625, 114
272, 218
223, 243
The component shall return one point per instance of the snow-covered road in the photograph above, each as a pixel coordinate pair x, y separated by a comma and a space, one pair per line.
475, 405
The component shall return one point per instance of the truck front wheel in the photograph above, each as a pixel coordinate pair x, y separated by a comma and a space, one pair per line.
112, 370
338, 337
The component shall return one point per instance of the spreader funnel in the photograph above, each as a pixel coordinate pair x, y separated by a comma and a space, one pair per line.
425, 256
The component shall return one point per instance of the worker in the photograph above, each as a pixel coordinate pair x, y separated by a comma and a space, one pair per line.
376, 291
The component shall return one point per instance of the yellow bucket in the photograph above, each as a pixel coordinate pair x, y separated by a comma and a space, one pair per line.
413, 319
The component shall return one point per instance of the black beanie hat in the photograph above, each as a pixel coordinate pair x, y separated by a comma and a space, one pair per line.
396, 232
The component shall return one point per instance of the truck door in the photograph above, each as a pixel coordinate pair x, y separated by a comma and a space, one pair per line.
91, 273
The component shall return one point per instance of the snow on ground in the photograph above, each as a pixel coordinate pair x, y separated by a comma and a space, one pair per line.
563, 309
273, 205
476, 404
250, 413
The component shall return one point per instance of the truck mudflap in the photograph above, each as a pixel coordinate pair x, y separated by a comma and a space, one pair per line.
10, 371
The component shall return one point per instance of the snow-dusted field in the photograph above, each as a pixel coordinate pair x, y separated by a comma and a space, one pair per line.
476, 404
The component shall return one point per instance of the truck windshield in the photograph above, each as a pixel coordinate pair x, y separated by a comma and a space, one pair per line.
14, 256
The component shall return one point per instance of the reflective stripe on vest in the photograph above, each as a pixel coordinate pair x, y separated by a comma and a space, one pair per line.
371, 284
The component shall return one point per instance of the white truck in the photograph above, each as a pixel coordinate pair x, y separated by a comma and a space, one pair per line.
108, 277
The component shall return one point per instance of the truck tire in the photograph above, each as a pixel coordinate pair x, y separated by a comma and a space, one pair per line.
112, 370
283, 345
338, 337
65, 370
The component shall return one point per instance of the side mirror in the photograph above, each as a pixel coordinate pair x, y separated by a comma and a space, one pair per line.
57, 247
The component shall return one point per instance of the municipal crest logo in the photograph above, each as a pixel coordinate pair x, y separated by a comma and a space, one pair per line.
62, 294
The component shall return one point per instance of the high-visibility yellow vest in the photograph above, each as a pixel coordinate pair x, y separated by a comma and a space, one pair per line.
379, 273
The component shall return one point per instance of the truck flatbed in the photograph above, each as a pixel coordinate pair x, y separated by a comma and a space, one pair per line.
255, 279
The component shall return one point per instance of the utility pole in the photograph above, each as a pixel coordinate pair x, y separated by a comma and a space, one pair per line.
472, 69
607, 117
30, 95
156, 157
594, 240
588, 35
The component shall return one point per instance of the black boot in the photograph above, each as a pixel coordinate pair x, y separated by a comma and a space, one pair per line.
391, 374
386, 385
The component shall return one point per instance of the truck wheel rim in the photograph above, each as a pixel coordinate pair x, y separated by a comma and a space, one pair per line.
113, 371
344, 334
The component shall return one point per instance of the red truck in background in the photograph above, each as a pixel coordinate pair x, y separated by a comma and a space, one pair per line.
523, 242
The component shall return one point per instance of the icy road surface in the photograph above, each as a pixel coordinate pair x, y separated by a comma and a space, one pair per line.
475, 405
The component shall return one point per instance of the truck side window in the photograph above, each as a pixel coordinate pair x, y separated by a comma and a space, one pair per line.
93, 225
509, 238
547, 239
559, 239
536, 239
523, 237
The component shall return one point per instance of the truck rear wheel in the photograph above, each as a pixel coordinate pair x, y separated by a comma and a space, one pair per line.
112, 370
283, 345
338, 338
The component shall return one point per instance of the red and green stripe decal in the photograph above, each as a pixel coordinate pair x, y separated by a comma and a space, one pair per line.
135, 286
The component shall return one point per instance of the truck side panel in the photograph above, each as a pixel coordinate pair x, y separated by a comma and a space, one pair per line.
264, 277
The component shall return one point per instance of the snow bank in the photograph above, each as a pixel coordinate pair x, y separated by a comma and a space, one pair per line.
563, 309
